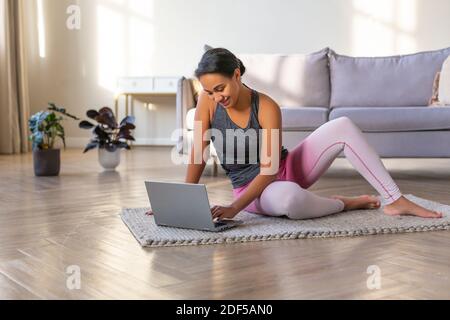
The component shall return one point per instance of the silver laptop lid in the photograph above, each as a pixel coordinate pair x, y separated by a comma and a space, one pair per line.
182, 205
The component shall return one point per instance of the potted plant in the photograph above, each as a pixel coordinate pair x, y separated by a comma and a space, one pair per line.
46, 128
109, 136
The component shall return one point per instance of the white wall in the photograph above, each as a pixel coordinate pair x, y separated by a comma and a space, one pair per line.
166, 37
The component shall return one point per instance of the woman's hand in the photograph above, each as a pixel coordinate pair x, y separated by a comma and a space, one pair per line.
226, 212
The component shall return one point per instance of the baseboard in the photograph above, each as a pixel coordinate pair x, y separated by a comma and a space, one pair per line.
76, 142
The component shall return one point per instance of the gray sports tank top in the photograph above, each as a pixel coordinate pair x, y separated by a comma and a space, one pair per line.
242, 165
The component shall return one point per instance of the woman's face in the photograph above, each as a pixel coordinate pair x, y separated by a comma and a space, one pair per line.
222, 89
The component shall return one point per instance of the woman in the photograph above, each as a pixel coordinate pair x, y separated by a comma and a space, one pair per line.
227, 103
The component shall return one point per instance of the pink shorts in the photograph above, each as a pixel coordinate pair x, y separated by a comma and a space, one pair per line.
254, 206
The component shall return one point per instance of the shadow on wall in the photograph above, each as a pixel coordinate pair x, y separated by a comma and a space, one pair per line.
125, 40
79, 68
115, 39
384, 27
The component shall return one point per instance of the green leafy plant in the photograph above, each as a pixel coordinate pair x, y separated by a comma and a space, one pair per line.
46, 127
108, 133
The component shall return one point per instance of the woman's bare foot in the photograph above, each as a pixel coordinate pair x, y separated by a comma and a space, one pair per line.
361, 202
404, 206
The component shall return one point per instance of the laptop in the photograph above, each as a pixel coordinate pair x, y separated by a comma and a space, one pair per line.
184, 205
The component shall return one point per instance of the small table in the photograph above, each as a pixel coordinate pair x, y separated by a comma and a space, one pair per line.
131, 96
134, 87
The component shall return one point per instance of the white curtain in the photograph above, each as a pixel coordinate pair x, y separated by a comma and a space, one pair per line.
14, 96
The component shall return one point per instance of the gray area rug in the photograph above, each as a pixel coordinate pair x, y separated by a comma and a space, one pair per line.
260, 228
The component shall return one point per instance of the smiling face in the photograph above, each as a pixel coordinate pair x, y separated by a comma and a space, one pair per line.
222, 89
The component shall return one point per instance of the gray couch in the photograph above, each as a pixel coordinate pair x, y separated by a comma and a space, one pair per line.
387, 97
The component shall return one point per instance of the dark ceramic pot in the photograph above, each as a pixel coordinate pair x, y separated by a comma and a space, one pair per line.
46, 162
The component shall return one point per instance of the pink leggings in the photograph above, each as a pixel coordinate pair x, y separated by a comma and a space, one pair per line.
304, 165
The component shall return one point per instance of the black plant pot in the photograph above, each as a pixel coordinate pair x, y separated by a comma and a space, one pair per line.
46, 162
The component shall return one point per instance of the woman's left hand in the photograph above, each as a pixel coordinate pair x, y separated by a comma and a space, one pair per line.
223, 212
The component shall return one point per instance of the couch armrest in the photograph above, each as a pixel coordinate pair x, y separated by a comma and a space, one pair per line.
185, 101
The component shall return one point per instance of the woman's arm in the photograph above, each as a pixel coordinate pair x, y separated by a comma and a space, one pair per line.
269, 119
197, 163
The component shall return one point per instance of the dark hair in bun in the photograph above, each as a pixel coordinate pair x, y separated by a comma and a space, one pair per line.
219, 60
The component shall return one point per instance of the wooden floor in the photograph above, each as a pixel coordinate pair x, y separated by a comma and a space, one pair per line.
49, 224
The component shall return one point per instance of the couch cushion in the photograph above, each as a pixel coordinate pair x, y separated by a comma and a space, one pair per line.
404, 80
306, 118
392, 119
290, 79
